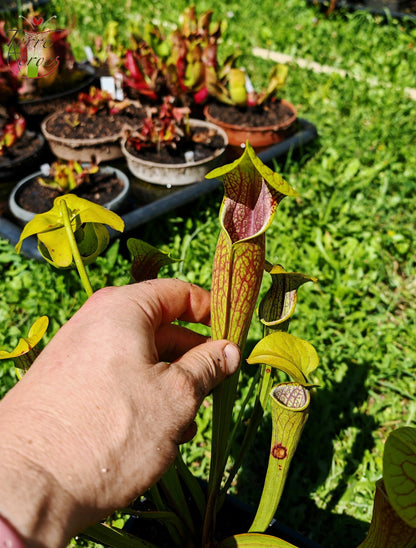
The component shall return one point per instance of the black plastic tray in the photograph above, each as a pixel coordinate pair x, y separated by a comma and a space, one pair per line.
7, 6
138, 216
400, 9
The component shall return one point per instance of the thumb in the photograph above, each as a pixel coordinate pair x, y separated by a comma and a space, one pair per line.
208, 364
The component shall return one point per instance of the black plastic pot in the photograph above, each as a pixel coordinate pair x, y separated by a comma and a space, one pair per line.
7, 6
22, 165
234, 518
398, 9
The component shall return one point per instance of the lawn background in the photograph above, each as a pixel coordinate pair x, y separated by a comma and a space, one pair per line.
352, 227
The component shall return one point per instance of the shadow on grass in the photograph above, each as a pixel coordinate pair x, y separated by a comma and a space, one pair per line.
333, 410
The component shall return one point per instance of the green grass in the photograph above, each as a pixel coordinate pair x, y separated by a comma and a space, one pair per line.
352, 227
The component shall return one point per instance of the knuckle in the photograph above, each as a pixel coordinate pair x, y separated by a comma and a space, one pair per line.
192, 391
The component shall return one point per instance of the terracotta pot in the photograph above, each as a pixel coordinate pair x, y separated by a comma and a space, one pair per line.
170, 175
260, 137
24, 216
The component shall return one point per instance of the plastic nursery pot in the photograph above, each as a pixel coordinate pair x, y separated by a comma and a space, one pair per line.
36, 108
260, 137
26, 151
170, 175
103, 148
24, 215
235, 517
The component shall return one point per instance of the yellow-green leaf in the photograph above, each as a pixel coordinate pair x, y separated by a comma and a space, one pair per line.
55, 248
35, 334
42, 222
290, 354
49, 227
92, 240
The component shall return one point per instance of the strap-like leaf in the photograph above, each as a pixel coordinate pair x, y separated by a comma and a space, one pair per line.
254, 540
113, 538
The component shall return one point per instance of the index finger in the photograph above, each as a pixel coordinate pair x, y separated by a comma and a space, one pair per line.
165, 300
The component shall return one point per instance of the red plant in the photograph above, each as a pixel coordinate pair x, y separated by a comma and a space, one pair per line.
62, 49
12, 131
164, 126
143, 71
193, 54
181, 64
97, 99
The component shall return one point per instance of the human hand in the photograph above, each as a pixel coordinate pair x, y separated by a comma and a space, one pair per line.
98, 418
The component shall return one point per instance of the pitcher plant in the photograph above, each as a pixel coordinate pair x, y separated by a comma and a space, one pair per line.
73, 234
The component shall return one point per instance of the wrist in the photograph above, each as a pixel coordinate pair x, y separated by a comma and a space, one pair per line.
32, 500
34, 504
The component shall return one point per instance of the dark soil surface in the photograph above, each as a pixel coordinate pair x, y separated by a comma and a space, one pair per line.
71, 125
38, 104
168, 155
18, 160
25, 147
271, 114
102, 188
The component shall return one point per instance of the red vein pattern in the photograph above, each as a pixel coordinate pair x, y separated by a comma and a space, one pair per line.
247, 210
236, 280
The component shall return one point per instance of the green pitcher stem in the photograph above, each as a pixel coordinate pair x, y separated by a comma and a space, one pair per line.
108, 536
223, 402
290, 407
75, 251
249, 436
172, 489
250, 432
265, 385
240, 418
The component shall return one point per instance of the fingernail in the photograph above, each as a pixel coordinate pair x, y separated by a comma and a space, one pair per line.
232, 357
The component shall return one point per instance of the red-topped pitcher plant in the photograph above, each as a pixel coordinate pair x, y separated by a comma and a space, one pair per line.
73, 234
